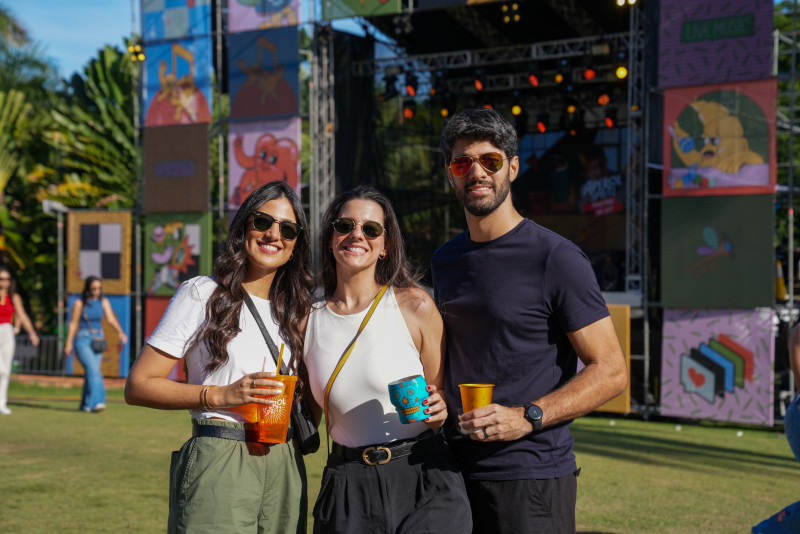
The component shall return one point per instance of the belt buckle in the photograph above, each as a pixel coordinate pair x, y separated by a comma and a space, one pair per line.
366, 459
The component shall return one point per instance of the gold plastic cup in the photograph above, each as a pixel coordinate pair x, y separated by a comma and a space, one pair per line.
475, 395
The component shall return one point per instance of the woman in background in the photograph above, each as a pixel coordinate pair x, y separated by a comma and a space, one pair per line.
86, 323
12, 317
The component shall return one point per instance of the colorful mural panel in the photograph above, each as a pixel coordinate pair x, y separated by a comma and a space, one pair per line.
420, 5
720, 139
175, 19
177, 248
246, 15
154, 308
177, 87
708, 41
714, 253
337, 9
264, 73
99, 244
116, 359
176, 169
262, 152
717, 365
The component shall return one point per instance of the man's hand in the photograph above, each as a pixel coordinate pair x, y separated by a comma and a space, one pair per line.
496, 423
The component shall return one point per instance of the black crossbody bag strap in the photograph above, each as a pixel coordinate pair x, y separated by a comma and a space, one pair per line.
271, 344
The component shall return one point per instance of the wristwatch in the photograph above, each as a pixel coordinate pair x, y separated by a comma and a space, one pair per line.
534, 414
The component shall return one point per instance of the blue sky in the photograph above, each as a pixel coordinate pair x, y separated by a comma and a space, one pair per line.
72, 31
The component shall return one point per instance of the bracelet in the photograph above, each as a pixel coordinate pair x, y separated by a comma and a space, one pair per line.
204, 398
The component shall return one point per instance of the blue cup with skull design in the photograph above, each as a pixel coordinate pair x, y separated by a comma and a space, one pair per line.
407, 395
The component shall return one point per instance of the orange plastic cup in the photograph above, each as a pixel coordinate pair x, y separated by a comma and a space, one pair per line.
272, 421
475, 395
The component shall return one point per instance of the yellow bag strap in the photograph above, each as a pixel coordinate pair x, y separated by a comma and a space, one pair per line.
346, 355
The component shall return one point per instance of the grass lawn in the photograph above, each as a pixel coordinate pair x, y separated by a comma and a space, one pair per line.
70, 472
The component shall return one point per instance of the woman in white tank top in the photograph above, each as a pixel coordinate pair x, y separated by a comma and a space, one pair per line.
381, 475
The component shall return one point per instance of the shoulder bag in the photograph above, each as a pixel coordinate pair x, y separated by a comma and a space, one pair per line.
302, 417
99, 344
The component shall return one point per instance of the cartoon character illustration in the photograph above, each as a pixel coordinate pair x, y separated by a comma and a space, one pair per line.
265, 91
713, 248
172, 257
273, 159
278, 11
178, 100
723, 144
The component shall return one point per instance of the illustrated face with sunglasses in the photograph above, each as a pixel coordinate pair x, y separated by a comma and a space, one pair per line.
481, 175
272, 231
359, 238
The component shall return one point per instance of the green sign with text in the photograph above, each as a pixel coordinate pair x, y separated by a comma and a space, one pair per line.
715, 29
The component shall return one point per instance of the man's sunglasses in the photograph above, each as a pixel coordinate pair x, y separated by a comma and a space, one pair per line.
491, 163
263, 222
345, 225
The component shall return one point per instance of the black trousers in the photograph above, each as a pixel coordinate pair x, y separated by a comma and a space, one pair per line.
419, 494
523, 506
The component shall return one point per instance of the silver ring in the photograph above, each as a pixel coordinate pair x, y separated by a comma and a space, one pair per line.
485, 435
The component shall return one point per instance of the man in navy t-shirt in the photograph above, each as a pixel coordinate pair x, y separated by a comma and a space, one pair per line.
521, 305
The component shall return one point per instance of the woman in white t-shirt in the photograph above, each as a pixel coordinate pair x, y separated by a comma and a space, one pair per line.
381, 475
221, 480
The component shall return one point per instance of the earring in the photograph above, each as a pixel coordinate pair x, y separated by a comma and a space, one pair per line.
383, 255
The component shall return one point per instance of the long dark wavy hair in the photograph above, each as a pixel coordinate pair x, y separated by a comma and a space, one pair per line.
394, 270
12, 286
289, 295
86, 294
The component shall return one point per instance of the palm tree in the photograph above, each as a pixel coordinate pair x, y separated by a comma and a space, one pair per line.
11, 31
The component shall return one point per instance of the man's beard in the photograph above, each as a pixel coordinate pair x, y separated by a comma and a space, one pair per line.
480, 207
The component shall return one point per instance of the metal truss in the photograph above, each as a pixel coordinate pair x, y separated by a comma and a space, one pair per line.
322, 128
546, 50
636, 165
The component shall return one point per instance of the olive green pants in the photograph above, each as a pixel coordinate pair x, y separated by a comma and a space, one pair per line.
220, 485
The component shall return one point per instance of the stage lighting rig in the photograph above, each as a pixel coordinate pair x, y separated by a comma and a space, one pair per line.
479, 80
409, 109
411, 84
541, 122
136, 51
610, 119
510, 12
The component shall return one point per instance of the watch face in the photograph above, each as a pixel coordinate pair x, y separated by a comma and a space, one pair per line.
534, 412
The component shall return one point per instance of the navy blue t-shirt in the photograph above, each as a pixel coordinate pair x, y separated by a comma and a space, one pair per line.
507, 305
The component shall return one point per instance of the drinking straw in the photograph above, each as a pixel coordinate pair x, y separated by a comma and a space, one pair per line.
280, 359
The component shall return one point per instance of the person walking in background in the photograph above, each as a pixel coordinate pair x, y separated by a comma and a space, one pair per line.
12, 318
520, 304
381, 475
219, 482
86, 325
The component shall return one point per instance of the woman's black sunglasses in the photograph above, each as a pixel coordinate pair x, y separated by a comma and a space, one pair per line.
345, 225
263, 222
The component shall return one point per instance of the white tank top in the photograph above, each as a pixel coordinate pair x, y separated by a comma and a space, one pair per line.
359, 408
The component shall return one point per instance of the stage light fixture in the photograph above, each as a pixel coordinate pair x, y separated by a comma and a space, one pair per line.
572, 108
621, 72
136, 51
589, 74
411, 84
409, 109
541, 122
487, 106
479, 81
444, 112
510, 12
611, 118
559, 77
620, 3
516, 110
533, 79
603, 99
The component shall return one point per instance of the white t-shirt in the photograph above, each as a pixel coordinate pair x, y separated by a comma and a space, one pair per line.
360, 410
247, 352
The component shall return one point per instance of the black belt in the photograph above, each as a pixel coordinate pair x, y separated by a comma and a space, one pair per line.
381, 454
227, 432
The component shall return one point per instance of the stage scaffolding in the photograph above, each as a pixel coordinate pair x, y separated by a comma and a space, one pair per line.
517, 58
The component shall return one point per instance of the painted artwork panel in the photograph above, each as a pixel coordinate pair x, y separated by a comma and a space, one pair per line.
720, 139
698, 388
99, 244
264, 74
177, 247
709, 41
116, 359
337, 9
247, 15
716, 252
262, 152
154, 308
176, 169
175, 19
177, 85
